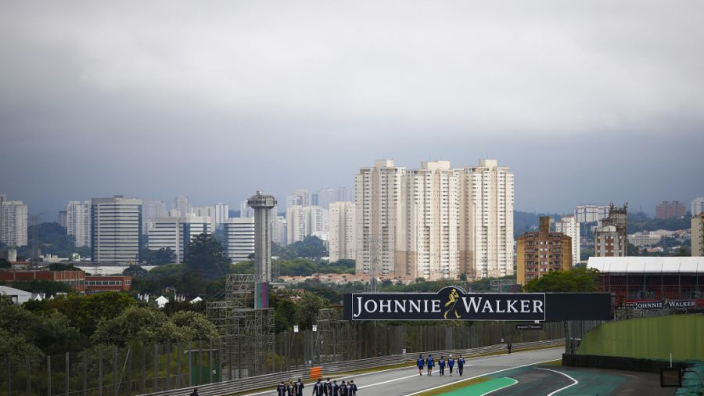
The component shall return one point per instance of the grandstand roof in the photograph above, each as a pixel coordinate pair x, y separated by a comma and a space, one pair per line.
629, 265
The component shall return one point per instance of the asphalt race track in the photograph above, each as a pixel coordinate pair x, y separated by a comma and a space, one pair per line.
399, 382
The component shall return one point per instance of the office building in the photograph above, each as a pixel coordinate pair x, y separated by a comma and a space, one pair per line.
611, 238
153, 209
570, 227
698, 235
206, 211
176, 233
538, 253
341, 241
116, 225
239, 239
590, 213
13, 223
644, 238
670, 210
697, 206
262, 205
182, 205
78, 222
325, 196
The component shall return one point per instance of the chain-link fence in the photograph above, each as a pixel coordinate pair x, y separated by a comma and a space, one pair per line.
139, 369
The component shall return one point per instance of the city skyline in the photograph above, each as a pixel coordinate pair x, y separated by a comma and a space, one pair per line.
198, 100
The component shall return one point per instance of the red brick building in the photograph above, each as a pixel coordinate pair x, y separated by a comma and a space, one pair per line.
74, 278
116, 283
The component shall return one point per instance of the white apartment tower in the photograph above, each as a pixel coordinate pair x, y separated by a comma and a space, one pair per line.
176, 233
239, 238
590, 213
380, 232
13, 223
116, 227
222, 213
78, 222
431, 200
245, 210
182, 205
697, 206
304, 221
569, 226
486, 213
341, 240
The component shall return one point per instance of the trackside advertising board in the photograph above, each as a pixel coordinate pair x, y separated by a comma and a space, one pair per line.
452, 303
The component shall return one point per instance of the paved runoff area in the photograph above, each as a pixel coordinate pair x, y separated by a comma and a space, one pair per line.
521, 373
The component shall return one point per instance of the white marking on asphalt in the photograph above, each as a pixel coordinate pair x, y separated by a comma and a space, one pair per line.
479, 376
515, 381
563, 388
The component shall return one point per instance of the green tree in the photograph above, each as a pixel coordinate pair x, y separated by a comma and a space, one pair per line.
195, 326
135, 270
308, 308
578, 279
137, 324
207, 257
4, 263
158, 257
49, 288
86, 312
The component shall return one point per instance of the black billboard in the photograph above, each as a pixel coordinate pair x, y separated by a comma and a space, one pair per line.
452, 303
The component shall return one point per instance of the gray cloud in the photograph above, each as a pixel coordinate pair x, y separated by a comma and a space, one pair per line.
587, 101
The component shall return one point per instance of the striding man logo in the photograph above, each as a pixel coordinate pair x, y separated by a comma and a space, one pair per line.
451, 304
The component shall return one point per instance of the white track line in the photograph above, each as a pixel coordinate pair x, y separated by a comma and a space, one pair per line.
563, 388
503, 387
481, 375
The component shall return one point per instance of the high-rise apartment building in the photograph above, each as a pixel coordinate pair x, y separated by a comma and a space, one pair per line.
182, 205
697, 206
206, 211
153, 209
538, 253
611, 238
431, 200
378, 199
698, 235
222, 213
435, 222
590, 213
78, 222
325, 196
116, 226
486, 212
304, 221
279, 229
13, 223
342, 241
299, 197
62, 218
670, 210
176, 233
245, 210
570, 227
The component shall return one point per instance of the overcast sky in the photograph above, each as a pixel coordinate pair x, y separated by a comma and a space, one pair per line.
585, 101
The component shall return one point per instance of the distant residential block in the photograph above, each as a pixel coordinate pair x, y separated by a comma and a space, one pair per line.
670, 210
538, 253
698, 235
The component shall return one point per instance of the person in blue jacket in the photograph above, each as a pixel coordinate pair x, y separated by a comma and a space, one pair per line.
460, 364
430, 363
450, 364
421, 363
441, 364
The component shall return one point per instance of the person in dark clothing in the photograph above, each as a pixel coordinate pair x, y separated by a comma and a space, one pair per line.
421, 363
291, 388
450, 364
441, 365
343, 389
430, 363
460, 364
509, 347
281, 389
194, 393
318, 388
299, 388
354, 388
335, 388
328, 387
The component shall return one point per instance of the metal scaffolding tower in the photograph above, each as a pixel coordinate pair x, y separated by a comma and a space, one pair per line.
247, 333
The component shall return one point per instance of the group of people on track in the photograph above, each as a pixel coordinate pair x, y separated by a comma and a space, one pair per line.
320, 388
450, 363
